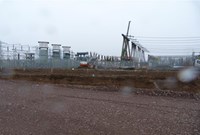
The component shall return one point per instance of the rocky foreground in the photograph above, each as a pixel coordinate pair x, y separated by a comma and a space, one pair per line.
47, 109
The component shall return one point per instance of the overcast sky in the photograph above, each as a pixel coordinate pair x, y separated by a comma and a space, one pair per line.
97, 25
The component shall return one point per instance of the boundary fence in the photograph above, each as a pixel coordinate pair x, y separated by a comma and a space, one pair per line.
71, 63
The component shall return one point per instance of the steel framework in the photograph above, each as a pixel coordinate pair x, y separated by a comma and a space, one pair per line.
133, 51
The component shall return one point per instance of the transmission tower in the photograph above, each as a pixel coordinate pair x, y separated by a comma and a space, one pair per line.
134, 51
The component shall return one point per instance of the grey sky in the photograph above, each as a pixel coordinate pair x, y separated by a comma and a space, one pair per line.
97, 25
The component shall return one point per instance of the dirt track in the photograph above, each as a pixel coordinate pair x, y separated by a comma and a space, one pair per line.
114, 79
49, 109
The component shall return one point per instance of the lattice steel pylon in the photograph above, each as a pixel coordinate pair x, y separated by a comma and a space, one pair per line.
126, 52
134, 51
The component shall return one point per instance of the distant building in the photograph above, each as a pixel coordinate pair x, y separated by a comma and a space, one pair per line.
56, 52
82, 56
30, 56
66, 52
43, 50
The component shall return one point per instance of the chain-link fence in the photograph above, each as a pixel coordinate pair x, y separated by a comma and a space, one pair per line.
70, 63
169, 62
38, 64
120, 64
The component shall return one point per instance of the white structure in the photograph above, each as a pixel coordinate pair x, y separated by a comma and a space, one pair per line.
43, 49
56, 52
66, 52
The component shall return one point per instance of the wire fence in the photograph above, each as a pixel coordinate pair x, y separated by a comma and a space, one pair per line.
71, 63
66, 64
120, 64
39, 64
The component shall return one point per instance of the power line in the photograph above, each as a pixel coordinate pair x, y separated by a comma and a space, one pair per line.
183, 44
171, 45
174, 44
165, 40
195, 37
174, 48
170, 41
173, 51
158, 39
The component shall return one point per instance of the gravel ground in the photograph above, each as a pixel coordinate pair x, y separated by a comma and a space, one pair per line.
50, 109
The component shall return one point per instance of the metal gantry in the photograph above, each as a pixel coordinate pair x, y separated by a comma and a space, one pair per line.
133, 51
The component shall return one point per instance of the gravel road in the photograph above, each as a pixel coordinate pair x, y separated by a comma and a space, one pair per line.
31, 108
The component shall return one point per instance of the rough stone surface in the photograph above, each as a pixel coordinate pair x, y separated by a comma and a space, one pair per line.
32, 108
